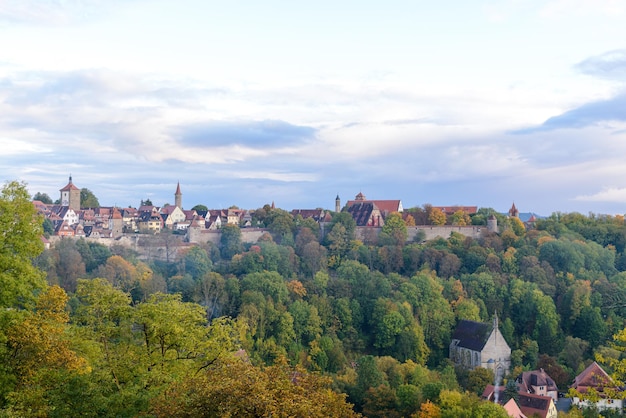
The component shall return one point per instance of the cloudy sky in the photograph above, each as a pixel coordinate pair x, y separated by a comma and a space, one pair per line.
445, 102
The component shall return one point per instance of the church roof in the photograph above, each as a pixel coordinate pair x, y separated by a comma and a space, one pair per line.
361, 212
472, 335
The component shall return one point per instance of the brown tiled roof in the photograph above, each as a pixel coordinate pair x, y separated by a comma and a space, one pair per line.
316, 214
70, 186
536, 378
534, 404
490, 392
595, 377
361, 212
385, 206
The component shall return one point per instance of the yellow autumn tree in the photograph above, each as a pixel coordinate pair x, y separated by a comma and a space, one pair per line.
41, 356
437, 217
235, 388
460, 218
41, 339
428, 410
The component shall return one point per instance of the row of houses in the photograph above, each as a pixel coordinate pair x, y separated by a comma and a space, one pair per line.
69, 219
538, 394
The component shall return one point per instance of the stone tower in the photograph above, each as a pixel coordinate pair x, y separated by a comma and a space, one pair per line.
492, 223
116, 223
337, 204
178, 197
70, 196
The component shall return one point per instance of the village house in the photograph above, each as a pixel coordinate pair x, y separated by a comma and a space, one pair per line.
476, 344
527, 405
594, 387
537, 382
536, 405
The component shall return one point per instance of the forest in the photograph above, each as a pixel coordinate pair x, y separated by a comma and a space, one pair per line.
300, 324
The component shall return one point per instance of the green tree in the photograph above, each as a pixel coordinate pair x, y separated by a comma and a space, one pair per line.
20, 243
282, 226
69, 264
88, 199
478, 379
230, 241
338, 243
195, 262
200, 207
394, 231
43, 198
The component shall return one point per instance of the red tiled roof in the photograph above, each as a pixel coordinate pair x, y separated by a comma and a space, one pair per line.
70, 186
534, 404
537, 378
593, 376
385, 206
513, 410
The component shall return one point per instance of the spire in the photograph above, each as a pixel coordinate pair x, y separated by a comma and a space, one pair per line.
495, 321
178, 197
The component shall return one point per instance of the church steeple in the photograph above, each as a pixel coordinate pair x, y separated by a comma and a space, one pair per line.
178, 197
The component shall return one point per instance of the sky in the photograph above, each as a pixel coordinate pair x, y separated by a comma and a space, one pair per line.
475, 103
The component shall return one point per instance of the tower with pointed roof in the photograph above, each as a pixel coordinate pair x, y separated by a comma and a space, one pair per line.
337, 204
178, 197
513, 212
70, 196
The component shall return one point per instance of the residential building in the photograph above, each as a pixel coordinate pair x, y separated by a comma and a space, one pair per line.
536, 405
537, 382
594, 380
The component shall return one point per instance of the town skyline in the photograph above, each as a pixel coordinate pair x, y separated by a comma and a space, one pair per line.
447, 103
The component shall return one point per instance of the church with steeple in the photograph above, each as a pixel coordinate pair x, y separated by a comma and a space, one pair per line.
477, 344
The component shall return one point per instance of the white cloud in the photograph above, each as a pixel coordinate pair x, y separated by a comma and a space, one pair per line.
611, 194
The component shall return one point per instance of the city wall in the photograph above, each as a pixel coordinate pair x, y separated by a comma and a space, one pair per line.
167, 247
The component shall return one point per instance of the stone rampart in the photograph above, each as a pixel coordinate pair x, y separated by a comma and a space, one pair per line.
429, 232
